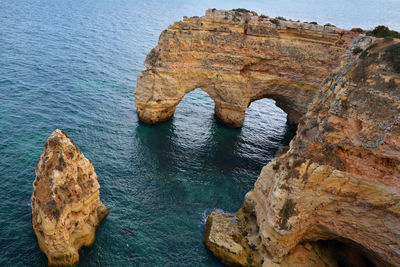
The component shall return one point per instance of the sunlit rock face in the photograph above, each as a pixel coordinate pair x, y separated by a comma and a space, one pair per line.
66, 206
237, 58
340, 178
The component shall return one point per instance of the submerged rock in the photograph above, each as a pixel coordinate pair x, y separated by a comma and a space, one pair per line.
340, 178
66, 206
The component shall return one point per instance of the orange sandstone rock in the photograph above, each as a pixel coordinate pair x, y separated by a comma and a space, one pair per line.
340, 178
66, 207
238, 58
235, 240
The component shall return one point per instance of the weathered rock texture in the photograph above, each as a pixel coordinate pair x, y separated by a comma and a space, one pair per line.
234, 238
340, 178
66, 207
238, 58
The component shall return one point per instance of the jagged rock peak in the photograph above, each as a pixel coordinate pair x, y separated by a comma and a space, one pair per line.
66, 206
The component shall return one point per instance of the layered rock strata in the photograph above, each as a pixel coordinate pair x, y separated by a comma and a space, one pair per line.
66, 206
237, 58
340, 178
235, 240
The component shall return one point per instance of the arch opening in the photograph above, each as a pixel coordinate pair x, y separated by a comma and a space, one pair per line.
292, 111
231, 99
235, 116
196, 106
250, 147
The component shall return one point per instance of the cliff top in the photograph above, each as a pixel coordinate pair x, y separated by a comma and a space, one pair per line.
238, 18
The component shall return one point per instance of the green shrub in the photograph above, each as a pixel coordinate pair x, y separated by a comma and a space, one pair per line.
241, 10
281, 18
314, 22
382, 31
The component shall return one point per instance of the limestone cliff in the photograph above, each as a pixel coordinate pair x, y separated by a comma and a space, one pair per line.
235, 240
66, 206
340, 178
237, 58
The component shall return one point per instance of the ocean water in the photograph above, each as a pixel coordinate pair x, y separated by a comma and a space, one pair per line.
72, 65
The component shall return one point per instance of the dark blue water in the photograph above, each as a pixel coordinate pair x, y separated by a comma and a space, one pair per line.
73, 65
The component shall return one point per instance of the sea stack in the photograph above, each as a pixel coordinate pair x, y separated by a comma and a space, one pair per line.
66, 206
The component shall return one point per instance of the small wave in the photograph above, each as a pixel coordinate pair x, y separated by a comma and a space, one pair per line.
207, 212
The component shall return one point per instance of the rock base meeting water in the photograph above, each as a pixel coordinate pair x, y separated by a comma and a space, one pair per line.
66, 206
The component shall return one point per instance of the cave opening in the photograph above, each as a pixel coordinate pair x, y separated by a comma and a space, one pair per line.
345, 253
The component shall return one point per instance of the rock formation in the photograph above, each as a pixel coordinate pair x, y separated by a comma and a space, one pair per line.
66, 206
340, 178
237, 58
235, 240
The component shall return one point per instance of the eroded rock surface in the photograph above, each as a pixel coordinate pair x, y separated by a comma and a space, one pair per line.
340, 178
66, 206
235, 240
238, 58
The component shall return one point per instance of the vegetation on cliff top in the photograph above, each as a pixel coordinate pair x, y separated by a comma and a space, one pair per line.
245, 11
241, 10
382, 31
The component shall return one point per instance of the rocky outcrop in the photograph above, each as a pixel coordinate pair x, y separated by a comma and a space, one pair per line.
235, 240
66, 207
237, 58
340, 178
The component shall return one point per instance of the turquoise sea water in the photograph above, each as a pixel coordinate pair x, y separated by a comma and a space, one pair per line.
73, 65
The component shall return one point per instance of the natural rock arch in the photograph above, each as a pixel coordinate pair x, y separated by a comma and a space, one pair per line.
238, 58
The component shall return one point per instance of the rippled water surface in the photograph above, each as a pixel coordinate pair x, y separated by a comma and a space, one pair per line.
73, 65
